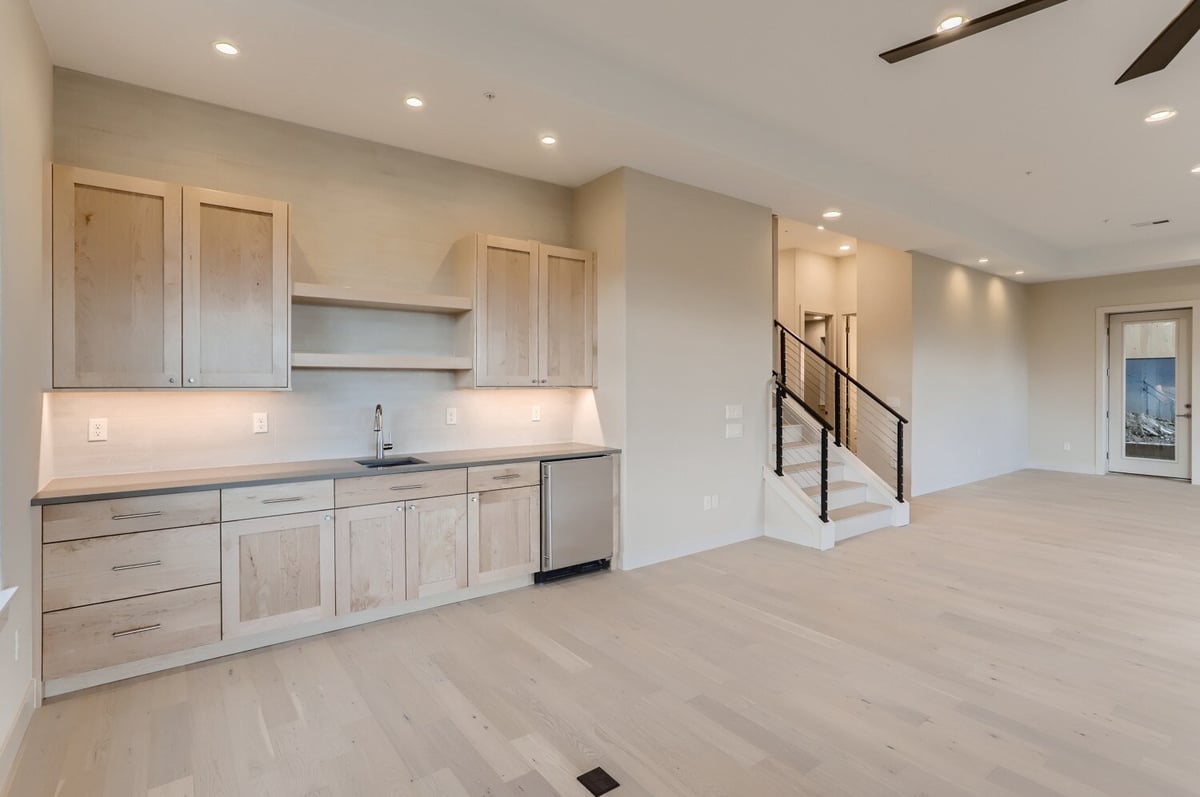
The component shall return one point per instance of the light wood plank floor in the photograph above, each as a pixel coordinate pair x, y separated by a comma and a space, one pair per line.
1037, 634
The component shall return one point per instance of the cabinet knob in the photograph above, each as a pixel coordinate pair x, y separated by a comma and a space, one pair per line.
329, 517
191, 380
400, 508
474, 499
543, 381
413, 507
171, 379
534, 381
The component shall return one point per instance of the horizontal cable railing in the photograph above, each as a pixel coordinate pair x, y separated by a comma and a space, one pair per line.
801, 445
858, 419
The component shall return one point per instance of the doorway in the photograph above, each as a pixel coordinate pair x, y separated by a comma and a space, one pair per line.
1149, 393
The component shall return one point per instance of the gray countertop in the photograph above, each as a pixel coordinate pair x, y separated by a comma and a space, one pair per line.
127, 485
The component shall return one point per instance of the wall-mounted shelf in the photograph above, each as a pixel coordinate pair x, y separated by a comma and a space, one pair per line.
381, 362
338, 296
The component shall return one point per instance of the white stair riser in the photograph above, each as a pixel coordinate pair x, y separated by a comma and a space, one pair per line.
852, 527
808, 478
840, 499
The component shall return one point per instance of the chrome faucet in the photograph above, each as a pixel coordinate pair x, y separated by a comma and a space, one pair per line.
380, 446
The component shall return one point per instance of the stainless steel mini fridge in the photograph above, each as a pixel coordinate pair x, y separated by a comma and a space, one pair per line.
577, 516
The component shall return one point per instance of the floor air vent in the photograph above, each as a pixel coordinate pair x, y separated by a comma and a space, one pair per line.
598, 781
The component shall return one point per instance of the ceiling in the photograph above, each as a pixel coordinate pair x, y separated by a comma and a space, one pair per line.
1013, 145
795, 234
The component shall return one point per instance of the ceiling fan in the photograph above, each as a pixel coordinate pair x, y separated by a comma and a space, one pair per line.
1157, 56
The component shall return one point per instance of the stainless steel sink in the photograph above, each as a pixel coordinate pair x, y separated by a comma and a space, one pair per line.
390, 462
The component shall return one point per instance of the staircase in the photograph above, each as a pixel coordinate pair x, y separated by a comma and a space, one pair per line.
837, 452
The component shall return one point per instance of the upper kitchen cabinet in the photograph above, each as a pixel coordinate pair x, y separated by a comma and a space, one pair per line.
535, 314
161, 286
117, 281
236, 299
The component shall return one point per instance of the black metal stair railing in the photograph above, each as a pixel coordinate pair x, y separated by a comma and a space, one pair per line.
857, 419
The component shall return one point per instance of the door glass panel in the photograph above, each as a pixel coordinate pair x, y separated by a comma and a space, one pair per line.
1151, 349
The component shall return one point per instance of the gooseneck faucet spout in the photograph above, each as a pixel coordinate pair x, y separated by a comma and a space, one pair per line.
378, 429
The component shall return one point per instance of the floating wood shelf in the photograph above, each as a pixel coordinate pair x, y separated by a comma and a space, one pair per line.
381, 362
338, 296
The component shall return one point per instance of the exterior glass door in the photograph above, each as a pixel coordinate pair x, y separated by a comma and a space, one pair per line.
1149, 413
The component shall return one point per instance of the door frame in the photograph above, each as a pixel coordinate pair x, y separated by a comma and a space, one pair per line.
1102, 382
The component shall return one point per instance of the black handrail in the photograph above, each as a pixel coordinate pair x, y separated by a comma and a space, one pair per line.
826, 425
840, 370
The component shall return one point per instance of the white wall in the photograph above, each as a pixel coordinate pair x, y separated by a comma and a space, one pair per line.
1063, 363
25, 139
692, 314
970, 377
362, 213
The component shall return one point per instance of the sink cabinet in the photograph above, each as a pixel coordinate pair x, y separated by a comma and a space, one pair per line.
436, 537
370, 556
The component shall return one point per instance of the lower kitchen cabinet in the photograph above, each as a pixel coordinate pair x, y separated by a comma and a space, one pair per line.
436, 539
276, 572
371, 553
503, 534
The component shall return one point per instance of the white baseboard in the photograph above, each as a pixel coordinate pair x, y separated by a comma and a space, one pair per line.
15, 735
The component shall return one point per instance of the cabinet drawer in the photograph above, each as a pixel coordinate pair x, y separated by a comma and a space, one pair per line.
241, 503
91, 637
62, 522
81, 572
501, 477
363, 490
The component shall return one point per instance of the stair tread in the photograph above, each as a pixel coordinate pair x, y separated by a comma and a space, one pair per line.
834, 487
857, 510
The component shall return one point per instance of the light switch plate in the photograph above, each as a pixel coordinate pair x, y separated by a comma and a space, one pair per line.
733, 430
537, 412
734, 412
97, 430
260, 423
451, 416
707, 502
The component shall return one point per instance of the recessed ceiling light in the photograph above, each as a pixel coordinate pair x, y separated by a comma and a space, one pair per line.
832, 213
818, 318
822, 226
983, 261
1161, 115
548, 140
1019, 273
950, 23
414, 102
225, 48
845, 247
1196, 170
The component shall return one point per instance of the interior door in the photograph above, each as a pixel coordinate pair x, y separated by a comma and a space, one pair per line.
1149, 406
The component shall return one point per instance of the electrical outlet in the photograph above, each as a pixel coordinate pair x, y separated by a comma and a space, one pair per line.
1066, 446
451, 416
734, 412
733, 430
260, 423
537, 412
97, 430
707, 502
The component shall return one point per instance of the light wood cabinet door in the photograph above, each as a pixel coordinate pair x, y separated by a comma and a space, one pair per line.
236, 295
506, 313
276, 572
435, 532
117, 274
370, 557
567, 317
503, 534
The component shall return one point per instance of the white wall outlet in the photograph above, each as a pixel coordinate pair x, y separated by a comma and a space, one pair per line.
733, 430
716, 501
97, 430
451, 416
260, 423
1066, 446
734, 412
537, 412
707, 502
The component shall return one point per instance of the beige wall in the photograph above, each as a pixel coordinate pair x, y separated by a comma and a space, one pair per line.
788, 307
694, 323
970, 377
885, 341
362, 213
25, 140
1063, 365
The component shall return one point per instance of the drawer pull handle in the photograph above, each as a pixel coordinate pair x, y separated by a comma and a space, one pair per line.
507, 476
139, 565
136, 515
290, 500
407, 487
132, 631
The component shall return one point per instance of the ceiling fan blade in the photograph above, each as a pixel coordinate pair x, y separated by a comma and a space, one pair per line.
970, 28
1168, 44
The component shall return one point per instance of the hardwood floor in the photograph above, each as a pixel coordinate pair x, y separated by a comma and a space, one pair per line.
1036, 634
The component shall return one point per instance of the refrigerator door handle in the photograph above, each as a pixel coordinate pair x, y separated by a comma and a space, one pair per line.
547, 528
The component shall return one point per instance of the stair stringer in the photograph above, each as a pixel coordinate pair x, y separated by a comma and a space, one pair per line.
792, 516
